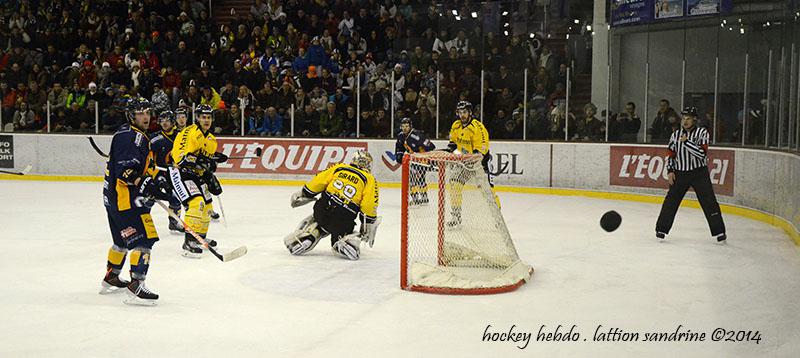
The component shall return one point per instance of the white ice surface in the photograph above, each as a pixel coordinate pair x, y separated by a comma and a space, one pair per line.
54, 239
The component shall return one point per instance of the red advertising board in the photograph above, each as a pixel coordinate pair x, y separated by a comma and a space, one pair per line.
646, 167
285, 156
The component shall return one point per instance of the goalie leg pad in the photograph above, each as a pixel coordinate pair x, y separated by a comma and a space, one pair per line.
305, 238
347, 247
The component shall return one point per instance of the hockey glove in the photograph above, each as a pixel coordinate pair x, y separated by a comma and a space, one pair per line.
369, 230
299, 199
219, 157
189, 161
206, 164
214, 187
157, 188
451, 147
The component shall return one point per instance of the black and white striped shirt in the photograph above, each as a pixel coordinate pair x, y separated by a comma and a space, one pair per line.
688, 155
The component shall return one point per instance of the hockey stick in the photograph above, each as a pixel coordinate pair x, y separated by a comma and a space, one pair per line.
23, 172
96, 148
258, 155
225, 257
222, 212
219, 200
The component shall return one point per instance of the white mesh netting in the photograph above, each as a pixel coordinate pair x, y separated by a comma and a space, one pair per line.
455, 238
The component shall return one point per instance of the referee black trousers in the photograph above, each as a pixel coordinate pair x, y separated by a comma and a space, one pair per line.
700, 181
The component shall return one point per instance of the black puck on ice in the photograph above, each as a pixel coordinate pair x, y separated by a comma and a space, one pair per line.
610, 221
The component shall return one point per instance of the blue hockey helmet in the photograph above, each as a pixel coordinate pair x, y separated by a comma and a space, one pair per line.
137, 105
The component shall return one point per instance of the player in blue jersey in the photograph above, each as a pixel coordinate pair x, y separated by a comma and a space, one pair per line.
410, 140
128, 193
161, 145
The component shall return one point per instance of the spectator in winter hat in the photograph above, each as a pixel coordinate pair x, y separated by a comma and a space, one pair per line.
92, 94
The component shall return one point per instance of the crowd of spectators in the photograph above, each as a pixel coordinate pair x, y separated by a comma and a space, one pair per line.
317, 55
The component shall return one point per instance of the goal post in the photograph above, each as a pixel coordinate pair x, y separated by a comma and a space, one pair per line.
454, 239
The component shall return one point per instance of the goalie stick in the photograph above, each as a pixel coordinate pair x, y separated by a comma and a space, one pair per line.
23, 172
224, 257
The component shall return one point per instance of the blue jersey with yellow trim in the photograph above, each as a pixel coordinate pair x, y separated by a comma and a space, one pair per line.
161, 146
415, 142
130, 157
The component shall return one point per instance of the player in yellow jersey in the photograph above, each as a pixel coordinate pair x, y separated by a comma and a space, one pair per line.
346, 191
195, 156
468, 136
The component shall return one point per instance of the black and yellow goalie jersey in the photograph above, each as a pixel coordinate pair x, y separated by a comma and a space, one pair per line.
353, 188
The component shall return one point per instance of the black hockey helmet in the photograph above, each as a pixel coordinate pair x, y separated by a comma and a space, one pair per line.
689, 111
137, 105
203, 109
464, 105
181, 111
167, 115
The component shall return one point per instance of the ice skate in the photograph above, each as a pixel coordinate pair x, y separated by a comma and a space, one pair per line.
192, 248
175, 226
138, 294
112, 284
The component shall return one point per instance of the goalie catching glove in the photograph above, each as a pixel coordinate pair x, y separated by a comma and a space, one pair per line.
300, 198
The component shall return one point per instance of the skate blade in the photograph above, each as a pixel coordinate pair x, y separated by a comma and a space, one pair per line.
132, 300
106, 289
191, 255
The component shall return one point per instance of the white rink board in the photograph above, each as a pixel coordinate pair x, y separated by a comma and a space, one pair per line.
764, 180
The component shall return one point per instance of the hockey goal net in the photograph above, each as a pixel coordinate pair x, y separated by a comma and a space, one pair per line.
453, 236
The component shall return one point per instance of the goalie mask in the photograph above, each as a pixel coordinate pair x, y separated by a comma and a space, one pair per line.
362, 160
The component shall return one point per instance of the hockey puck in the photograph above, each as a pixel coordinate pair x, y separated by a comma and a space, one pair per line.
610, 221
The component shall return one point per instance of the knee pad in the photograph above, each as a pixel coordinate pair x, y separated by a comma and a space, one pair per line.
305, 237
198, 215
140, 262
348, 247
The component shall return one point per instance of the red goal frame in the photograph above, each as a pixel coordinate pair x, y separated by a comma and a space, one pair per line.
404, 194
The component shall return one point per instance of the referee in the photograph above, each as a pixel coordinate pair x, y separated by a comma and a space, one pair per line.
688, 167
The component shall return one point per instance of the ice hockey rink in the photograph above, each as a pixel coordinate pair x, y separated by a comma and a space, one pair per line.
55, 238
